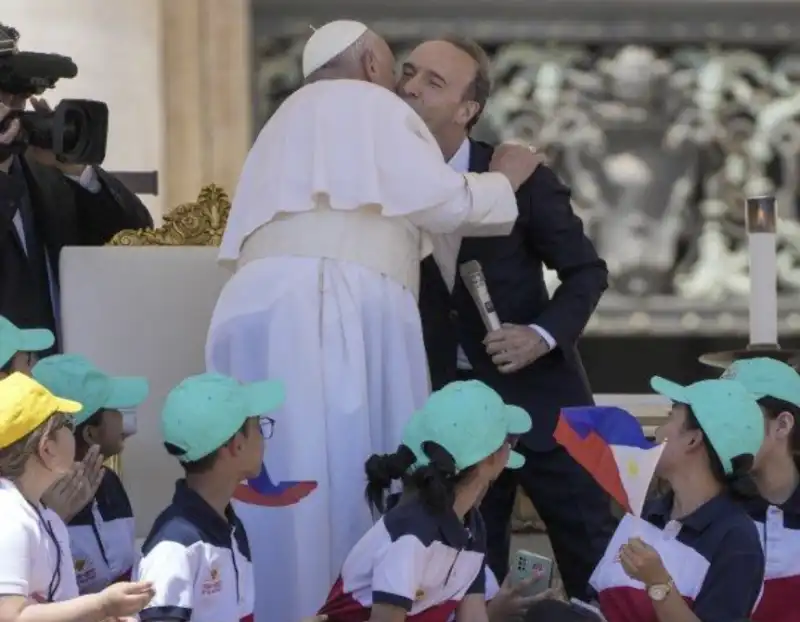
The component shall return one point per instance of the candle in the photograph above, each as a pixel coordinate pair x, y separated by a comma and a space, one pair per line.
760, 213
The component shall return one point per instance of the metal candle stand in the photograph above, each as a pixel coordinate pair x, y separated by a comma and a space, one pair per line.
761, 219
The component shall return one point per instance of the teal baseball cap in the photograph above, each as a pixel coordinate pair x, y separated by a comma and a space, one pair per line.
765, 377
204, 412
74, 377
726, 411
13, 340
470, 420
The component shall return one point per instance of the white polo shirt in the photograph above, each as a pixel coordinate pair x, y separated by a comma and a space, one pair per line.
199, 564
35, 557
102, 537
425, 563
779, 530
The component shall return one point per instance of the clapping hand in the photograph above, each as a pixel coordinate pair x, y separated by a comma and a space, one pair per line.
76, 489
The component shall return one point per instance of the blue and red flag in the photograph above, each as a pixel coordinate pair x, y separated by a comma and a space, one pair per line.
610, 444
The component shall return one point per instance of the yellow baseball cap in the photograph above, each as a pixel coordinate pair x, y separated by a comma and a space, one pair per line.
25, 405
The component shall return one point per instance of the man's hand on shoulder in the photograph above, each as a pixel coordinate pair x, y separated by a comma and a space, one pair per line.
517, 162
513, 347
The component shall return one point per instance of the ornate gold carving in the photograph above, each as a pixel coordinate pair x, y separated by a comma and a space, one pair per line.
192, 224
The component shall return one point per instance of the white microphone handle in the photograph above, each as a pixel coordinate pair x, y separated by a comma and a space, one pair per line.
476, 284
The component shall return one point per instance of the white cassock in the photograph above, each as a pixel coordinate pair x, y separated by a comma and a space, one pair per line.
326, 234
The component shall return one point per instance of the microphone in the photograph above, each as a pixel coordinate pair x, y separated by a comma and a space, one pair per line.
472, 275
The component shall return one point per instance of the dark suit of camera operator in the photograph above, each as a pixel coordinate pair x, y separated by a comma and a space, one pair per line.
44, 206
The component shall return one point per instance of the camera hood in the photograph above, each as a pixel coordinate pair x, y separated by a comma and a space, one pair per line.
31, 73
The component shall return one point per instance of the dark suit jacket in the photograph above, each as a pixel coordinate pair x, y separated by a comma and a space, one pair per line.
65, 214
547, 233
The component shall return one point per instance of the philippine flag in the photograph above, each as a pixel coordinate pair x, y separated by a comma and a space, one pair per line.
609, 443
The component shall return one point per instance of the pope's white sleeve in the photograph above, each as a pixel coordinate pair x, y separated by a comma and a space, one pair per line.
413, 172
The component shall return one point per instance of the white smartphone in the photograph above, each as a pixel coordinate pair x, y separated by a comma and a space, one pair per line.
527, 565
586, 607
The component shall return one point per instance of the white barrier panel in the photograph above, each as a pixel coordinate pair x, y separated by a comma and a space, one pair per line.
142, 311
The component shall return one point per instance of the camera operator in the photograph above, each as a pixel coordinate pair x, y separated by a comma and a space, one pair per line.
46, 204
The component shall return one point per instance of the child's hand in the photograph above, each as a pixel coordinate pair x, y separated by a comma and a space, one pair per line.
511, 601
76, 489
93, 471
60, 497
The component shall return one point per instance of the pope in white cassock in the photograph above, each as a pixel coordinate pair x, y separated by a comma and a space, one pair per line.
328, 226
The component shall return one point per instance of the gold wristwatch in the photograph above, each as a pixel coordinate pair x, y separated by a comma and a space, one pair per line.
659, 591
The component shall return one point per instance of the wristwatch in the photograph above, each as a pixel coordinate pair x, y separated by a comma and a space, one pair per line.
660, 591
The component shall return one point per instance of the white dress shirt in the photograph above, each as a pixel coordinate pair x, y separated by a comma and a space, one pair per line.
446, 247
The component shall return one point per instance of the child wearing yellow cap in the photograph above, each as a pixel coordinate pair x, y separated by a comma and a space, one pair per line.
101, 530
36, 449
19, 347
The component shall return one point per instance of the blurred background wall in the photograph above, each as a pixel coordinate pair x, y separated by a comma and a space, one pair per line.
661, 115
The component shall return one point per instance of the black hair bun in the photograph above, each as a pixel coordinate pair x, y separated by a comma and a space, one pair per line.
383, 469
742, 464
441, 459
740, 481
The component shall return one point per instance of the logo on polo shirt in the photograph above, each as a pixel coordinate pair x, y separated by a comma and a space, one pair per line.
263, 492
84, 571
213, 585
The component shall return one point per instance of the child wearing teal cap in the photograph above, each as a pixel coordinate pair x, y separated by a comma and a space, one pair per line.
101, 525
427, 553
502, 602
694, 554
776, 474
197, 554
19, 347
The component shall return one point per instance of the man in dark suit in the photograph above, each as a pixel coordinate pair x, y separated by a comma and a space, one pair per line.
532, 361
46, 205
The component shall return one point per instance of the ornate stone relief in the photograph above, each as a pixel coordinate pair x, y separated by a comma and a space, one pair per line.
660, 146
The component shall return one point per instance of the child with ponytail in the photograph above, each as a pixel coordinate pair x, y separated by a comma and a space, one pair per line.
426, 555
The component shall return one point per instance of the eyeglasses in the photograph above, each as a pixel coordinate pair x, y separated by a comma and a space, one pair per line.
267, 425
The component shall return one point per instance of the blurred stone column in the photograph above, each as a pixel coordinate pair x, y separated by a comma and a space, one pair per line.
207, 94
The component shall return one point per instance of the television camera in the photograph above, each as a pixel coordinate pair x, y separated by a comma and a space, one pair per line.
76, 131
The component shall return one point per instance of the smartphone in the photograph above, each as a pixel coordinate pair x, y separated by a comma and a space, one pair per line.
527, 565
590, 610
